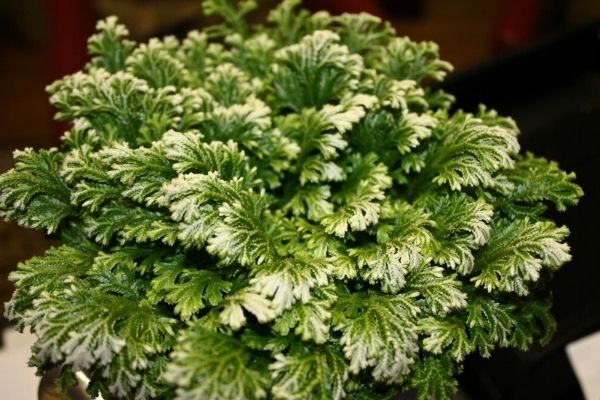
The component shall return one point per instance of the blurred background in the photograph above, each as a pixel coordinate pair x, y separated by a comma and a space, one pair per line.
537, 60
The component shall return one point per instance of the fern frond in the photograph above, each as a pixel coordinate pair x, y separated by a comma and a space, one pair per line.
213, 366
517, 252
318, 374
433, 378
378, 331
536, 180
33, 193
110, 46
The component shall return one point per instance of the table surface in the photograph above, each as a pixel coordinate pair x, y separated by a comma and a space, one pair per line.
17, 380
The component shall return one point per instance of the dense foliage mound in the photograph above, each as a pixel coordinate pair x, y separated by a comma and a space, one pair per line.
285, 211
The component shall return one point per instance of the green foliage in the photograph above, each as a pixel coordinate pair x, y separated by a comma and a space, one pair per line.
118, 106
281, 211
234, 18
315, 71
535, 181
314, 373
110, 47
433, 378
310, 320
469, 153
33, 193
212, 365
441, 292
189, 290
49, 272
87, 328
404, 59
155, 64
461, 225
446, 334
490, 322
363, 32
378, 331
517, 252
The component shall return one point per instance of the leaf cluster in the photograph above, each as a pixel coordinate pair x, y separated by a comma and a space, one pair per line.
281, 211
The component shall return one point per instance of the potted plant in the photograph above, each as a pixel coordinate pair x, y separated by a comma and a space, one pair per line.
282, 211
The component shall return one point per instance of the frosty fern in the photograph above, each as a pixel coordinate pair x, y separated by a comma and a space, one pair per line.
284, 211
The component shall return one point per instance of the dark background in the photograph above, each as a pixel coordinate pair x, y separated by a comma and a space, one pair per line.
536, 60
